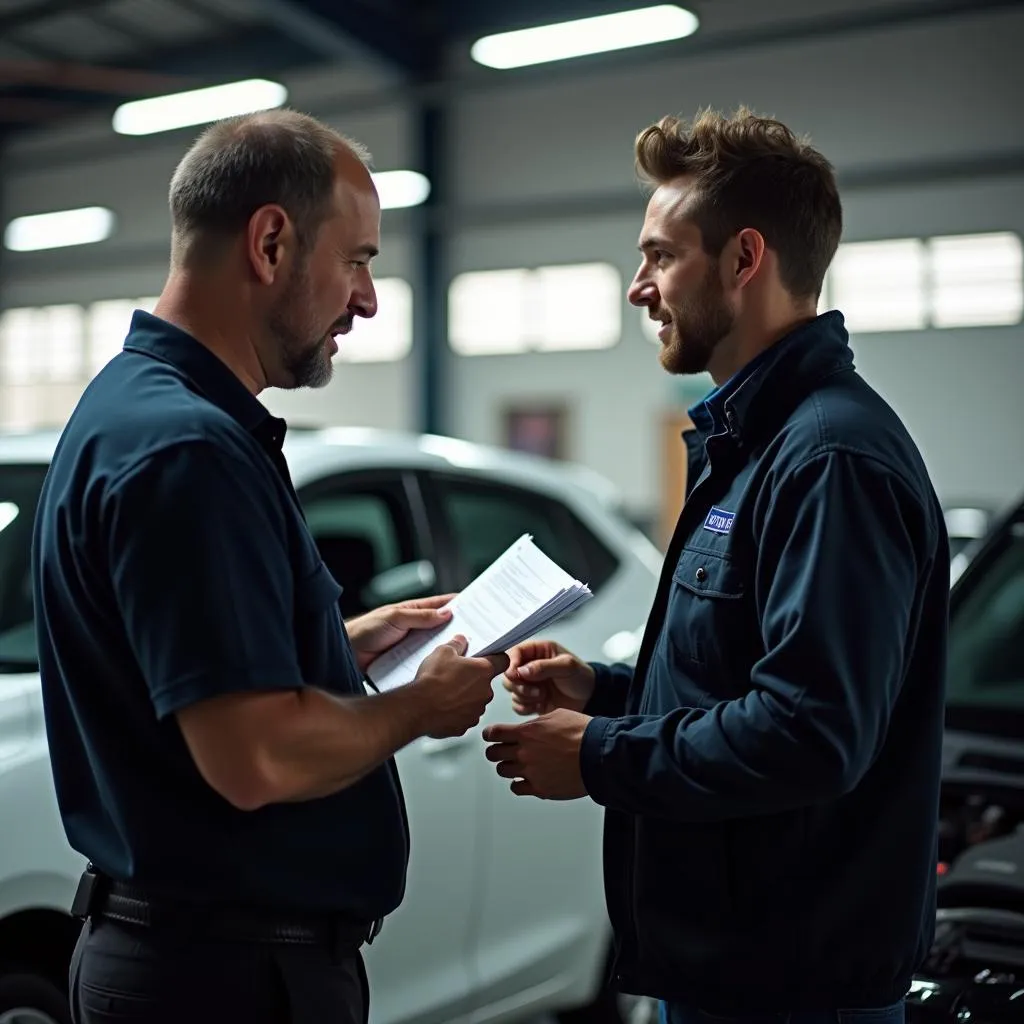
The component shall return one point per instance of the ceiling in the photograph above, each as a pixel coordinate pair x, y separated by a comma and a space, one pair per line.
62, 58
59, 58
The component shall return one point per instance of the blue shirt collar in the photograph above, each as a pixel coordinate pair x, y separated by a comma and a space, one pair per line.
793, 365
708, 415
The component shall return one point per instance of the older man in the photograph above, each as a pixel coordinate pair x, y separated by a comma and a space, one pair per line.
216, 755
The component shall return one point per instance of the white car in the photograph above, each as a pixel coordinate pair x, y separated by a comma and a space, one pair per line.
504, 916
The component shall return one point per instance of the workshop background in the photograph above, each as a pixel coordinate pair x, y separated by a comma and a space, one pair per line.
917, 104
509, 238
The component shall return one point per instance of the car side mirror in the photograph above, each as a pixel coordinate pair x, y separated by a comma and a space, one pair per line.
400, 583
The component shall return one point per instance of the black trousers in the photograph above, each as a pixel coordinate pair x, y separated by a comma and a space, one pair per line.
143, 975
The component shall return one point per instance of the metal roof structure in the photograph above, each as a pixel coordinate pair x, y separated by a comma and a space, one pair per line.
63, 58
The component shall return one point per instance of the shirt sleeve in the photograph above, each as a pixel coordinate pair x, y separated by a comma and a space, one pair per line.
841, 551
611, 686
198, 557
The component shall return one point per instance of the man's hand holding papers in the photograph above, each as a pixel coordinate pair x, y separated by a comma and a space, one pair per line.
520, 593
455, 690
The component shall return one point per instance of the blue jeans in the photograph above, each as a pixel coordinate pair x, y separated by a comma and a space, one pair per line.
675, 1013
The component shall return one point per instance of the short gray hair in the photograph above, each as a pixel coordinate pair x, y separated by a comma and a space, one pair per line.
242, 163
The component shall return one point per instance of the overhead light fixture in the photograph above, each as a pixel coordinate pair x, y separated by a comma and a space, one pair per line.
584, 36
401, 188
197, 106
61, 228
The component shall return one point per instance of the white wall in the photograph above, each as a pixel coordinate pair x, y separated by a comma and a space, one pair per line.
531, 146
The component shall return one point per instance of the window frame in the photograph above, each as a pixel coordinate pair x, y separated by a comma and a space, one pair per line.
567, 523
398, 484
928, 285
534, 340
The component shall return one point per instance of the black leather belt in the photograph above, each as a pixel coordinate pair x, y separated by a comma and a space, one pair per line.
131, 904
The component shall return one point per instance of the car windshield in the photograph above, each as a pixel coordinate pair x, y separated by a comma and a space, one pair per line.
19, 495
986, 640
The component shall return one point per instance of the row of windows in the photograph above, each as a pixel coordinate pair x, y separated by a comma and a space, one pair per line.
495, 312
909, 284
895, 285
58, 344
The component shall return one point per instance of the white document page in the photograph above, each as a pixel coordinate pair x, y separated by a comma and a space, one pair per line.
520, 592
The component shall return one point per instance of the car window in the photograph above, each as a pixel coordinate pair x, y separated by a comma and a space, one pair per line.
484, 519
986, 638
19, 496
362, 527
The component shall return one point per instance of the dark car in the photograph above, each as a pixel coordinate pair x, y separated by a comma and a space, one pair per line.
975, 971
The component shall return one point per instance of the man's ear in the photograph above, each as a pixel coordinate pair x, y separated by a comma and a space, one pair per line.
268, 242
748, 252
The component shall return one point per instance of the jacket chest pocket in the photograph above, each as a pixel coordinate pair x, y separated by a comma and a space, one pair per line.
708, 622
320, 638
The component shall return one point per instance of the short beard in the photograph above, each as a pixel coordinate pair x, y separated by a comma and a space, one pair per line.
696, 333
302, 352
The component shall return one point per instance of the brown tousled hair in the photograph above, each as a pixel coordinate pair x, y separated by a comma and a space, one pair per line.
750, 171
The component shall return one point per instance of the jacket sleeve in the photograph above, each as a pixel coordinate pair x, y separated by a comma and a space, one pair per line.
841, 549
611, 684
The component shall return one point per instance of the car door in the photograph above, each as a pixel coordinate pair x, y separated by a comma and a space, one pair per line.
983, 771
365, 526
985, 688
542, 921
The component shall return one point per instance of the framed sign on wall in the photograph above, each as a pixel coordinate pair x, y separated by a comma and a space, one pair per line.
537, 430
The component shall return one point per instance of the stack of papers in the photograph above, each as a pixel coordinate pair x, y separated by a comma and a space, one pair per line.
521, 592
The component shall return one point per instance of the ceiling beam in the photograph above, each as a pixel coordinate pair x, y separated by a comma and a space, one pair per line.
28, 109
211, 15
352, 31
87, 77
115, 24
33, 14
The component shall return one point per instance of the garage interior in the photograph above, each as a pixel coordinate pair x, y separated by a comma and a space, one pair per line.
509, 238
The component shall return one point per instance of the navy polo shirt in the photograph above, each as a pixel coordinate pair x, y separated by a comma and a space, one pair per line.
172, 564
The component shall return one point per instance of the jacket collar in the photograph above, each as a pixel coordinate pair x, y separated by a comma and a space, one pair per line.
756, 399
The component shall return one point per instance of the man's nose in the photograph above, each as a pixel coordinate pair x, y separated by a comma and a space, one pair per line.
642, 292
364, 299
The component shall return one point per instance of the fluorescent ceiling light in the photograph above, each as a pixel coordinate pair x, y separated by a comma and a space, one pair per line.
401, 188
584, 36
59, 229
198, 106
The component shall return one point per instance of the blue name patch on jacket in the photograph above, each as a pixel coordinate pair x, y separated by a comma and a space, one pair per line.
719, 521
